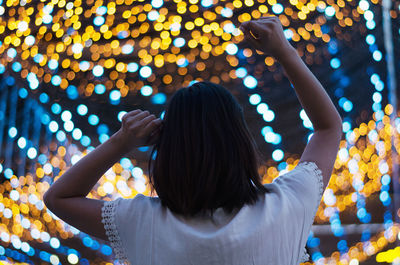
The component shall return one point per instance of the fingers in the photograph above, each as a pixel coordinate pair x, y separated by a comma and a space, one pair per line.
134, 116
253, 41
255, 36
258, 26
264, 34
249, 38
142, 126
253, 26
146, 120
131, 113
153, 127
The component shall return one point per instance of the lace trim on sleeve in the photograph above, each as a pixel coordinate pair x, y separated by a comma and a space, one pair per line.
108, 219
312, 167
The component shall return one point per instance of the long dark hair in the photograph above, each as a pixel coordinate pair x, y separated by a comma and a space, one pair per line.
205, 157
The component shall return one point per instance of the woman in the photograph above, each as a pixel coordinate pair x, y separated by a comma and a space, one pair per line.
211, 207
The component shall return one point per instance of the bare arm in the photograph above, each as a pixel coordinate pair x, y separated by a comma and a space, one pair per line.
311, 94
266, 34
324, 144
67, 196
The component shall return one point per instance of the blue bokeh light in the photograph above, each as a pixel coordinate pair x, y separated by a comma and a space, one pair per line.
288, 34
335, 63
85, 140
56, 108
31, 153
66, 115
226, 12
16, 66
98, 70
146, 90
101, 10
330, 11
231, 48
269, 116
179, 42
99, 89
206, 3
82, 109
159, 98
99, 20
346, 126
145, 71
153, 15
84, 65
370, 39
23, 93
250, 82
53, 64
44, 98
262, 108
121, 114
277, 8
56, 80
21, 142
385, 179
370, 24
132, 67
115, 95
347, 106
102, 129
157, 3
127, 49
377, 55
241, 72
255, 99
72, 92
93, 119
277, 155
61, 136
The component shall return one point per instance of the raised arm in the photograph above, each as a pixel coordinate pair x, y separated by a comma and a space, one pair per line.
66, 198
266, 34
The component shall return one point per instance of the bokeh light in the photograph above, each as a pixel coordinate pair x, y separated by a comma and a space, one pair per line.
69, 71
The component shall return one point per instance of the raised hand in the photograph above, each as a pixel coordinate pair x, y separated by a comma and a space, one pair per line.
266, 35
139, 128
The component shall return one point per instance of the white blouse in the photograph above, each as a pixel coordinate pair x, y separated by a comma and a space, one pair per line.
273, 231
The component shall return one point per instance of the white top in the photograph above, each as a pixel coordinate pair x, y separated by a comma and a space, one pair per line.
272, 231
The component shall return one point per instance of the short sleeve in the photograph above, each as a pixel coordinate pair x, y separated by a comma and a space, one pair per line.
304, 186
109, 214
125, 222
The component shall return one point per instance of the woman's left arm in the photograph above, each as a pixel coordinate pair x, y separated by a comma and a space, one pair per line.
66, 198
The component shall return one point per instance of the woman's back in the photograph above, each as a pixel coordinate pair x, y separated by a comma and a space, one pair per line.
206, 159
272, 231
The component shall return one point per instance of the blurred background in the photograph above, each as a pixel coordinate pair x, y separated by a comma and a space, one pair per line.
69, 70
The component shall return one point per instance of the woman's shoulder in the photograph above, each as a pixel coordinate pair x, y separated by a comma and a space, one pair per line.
142, 198
138, 203
305, 175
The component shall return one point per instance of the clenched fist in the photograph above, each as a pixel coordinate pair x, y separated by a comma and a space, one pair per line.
139, 128
266, 34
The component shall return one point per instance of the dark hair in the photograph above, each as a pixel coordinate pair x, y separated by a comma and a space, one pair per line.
205, 157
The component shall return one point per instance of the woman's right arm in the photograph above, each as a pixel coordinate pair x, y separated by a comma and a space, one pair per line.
311, 94
327, 123
324, 144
